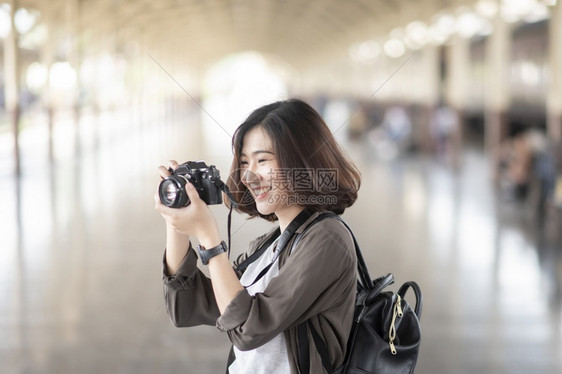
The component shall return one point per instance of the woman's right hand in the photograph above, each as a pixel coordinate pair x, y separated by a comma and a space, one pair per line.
177, 243
164, 173
194, 219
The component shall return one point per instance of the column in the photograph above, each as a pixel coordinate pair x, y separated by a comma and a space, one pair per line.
497, 98
554, 95
73, 23
458, 57
47, 58
12, 73
430, 67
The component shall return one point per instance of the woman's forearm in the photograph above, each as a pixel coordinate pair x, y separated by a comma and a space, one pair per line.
226, 284
177, 246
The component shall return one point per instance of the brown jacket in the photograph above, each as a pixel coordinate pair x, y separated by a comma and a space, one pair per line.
317, 281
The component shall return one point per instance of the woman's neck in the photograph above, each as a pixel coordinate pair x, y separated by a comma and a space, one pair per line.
286, 215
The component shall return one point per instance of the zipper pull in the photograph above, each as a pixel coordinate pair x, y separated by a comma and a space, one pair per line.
396, 312
392, 348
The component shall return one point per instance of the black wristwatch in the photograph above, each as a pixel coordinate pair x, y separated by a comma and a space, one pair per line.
206, 254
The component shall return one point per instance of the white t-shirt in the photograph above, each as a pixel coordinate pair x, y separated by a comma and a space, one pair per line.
272, 357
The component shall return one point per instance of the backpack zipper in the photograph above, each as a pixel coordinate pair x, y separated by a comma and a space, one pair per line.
397, 311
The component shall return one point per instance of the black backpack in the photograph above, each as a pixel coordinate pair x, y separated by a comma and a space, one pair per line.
386, 334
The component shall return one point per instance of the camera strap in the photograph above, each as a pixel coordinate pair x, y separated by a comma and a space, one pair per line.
287, 234
224, 188
228, 226
257, 254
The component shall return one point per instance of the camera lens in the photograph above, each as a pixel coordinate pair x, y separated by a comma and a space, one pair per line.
172, 192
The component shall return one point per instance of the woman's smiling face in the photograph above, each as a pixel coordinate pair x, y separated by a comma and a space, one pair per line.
259, 166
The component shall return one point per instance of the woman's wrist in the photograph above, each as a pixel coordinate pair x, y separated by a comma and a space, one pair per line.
210, 241
208, 235
176, 241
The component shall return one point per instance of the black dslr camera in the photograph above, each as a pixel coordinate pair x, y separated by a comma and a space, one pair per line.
205, 179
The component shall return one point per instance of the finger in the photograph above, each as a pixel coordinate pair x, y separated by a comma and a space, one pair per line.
193, 194
159, 206
173, 164
163, 171
170, 212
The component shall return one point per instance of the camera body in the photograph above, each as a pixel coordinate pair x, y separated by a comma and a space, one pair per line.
205, 179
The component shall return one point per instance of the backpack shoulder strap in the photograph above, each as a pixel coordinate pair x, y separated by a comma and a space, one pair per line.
254, 256
289, 231
365, 281
303, 348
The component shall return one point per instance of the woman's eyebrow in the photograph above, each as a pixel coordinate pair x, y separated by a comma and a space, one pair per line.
254, 153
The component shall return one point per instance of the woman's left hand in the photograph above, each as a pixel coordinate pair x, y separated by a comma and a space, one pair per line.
195, 219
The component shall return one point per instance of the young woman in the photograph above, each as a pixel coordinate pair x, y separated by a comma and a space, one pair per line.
286, 162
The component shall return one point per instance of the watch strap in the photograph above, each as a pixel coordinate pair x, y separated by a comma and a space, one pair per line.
206, 254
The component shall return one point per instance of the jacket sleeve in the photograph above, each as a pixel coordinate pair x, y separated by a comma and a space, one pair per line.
318, 276
188, 294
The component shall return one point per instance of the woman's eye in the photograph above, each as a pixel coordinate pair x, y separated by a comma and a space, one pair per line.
244, 163
262, 160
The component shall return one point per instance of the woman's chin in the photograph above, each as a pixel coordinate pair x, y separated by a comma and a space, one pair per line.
265, 208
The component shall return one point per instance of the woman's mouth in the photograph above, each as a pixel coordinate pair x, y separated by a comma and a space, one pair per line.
260, 192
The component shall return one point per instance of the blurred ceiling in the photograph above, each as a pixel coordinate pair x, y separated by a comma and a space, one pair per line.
301, 32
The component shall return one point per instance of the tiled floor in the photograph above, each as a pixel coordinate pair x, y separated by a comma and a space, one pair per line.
80, 287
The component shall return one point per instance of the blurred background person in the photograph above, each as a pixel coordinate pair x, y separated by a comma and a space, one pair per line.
393, 136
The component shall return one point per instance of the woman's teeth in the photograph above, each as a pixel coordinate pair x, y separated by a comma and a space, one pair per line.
260, 191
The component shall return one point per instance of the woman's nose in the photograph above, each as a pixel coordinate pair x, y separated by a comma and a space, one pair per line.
249, 175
